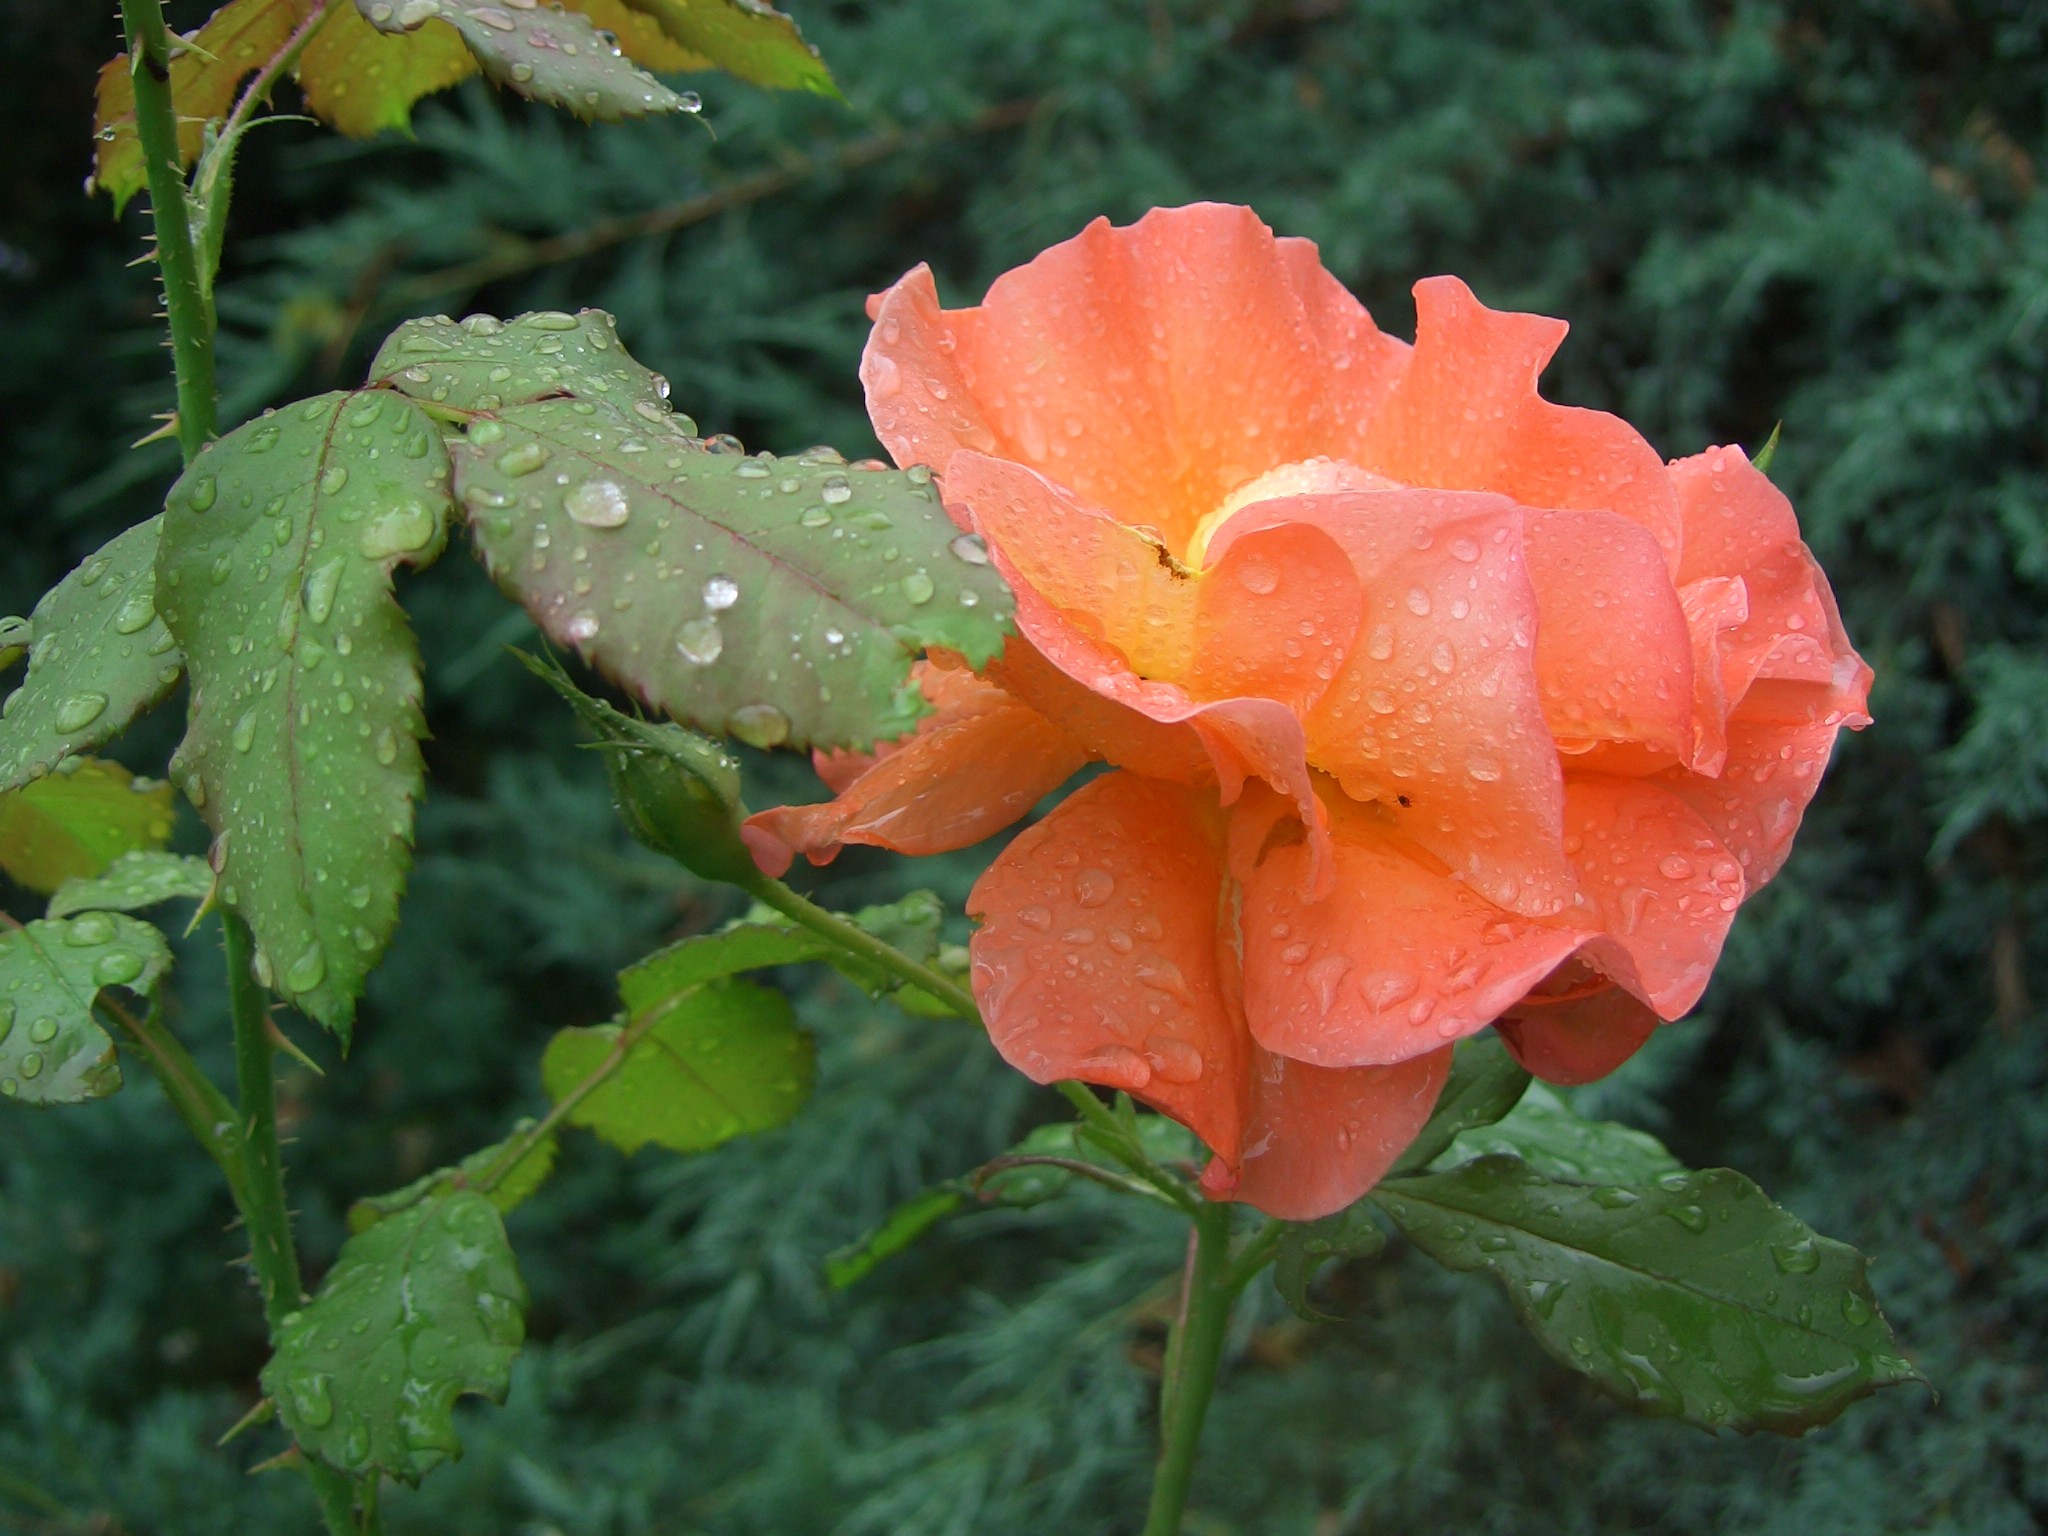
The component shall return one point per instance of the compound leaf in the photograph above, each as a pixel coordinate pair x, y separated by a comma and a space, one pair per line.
746, 38
98, 656
302, 749
362, 81
722, 1061
75, 822
52, 1050
420, 1308
1692, 1295
134, 881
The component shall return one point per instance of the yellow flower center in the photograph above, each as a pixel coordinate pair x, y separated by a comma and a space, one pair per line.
1304, 477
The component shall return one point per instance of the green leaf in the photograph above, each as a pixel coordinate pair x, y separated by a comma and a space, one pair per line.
780, 600
1306, 1246
1485, 1083
553, 55
677, 792
420, 1309
1692, 1295
98, 656
302, 749
746, 38
1550, 1136
52, 1050
135, 881
510, 1184
1769, 451
722, 1061
484, 364
75, 822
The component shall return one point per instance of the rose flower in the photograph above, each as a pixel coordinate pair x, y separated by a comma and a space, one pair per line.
1430, 704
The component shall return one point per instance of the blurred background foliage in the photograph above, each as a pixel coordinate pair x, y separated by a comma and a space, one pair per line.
1825, 213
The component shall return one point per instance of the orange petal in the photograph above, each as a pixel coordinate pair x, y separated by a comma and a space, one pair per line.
1397, 960
1663, 888
1772, 770
1153, 727
1714, 606
1613, 652
1097, 956
978, 763
1580, 1034
1153, 369
1318, 1138
1465, 415
1437, 708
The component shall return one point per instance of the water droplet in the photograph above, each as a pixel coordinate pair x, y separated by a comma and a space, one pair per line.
971, 547
117, 967
312, 1398
917, 586
1613, 1197
1379, 645
551, 320
1418, 602
320, 588
308, 971
1173, 1061
700, 642
1259, 578
1690, 1217
204, 493
835, 491
1093, 887
760, 725
134, 615
80, 710
1483, 767
1797, 1258
43, 1031
333, 479
32, 1065
1855, 1310
598, 504
522, 460
89, 930
244, 734
400, 531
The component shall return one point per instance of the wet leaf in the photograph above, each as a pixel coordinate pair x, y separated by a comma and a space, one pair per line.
98, 657
1691, 1295
746, 38
719, 1061
420, 1309
302, 748
778, 600
766, 939
481, 363
52, 1050
547, 53
1306, 1246
363, 82
75, 822
1485, 1083
205, 77
510, 1181
133, 882
1550, 1136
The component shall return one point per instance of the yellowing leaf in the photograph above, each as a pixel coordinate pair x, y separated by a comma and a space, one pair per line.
75, 822
746, 38
363, 81
234, 44
641, 37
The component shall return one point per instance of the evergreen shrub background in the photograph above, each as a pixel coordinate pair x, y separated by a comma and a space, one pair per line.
1825, 213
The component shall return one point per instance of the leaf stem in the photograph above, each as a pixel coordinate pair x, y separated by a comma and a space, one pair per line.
261, 1197
634, 1032
257, 92
853, 938
192, 1094
1193, 1352
185, 303
1116, 1137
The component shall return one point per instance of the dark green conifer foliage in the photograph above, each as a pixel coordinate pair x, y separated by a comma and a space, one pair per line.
1825, 214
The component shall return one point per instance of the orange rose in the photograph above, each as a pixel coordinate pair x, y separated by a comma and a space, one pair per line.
1436, 705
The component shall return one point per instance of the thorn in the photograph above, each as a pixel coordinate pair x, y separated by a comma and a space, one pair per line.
147, 258
285, 1043
262, 1413
168, 430
289, 1457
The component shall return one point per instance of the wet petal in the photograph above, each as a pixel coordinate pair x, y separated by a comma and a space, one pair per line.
1613, 651
1152, 369
1661, 886
1465, 415
1097, 958
1773, 768
1714, 607
977, 764
1437, 710
1394, 962
1318, 1138
1577, 1028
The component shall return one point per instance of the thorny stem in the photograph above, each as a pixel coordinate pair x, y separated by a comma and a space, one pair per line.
261, 1198
1194, 1350
857, 940
185, 305
257, 92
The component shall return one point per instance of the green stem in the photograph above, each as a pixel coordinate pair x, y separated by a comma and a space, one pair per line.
265, 1214
185, 305
1194, 1350
203, 1107
634, 1032
857, 940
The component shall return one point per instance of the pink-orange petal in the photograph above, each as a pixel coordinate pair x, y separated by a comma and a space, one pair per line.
981, 762
1437, 710
1580, 1034
918, 400
1614, 656
1465, 415
1318, 1138
1772, 769
1097, 957
1714, 606
1394, 962
1661, 886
